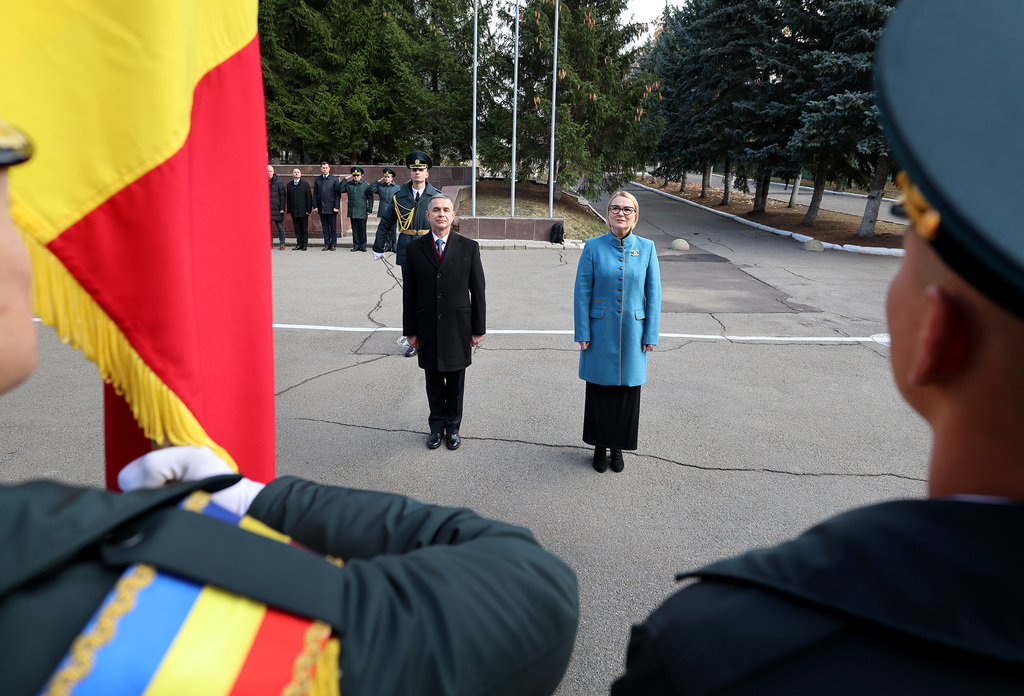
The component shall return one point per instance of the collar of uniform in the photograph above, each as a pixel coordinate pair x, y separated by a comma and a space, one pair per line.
962, 557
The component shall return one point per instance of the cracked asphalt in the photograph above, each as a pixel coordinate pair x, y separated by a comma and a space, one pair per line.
742, 443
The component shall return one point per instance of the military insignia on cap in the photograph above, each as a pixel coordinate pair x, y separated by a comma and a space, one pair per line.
15, 146
946, 110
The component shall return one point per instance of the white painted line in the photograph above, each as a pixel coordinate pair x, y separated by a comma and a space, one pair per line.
877, 338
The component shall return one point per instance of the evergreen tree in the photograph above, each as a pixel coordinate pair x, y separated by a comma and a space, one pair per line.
840, 131
367, 81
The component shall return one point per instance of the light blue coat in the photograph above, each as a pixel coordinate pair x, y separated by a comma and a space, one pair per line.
617, 308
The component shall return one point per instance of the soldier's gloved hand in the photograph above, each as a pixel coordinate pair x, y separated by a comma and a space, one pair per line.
173, 464
377, 257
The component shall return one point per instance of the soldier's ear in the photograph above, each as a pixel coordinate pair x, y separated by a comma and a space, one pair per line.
946, 344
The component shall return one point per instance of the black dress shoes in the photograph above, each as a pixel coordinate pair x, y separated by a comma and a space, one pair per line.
410, 352
434, 441
600, 460
453, 441
616, 464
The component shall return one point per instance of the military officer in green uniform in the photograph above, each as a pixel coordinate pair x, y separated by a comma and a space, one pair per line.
385, 188
388, 595
908, 596
411, 203
360, 205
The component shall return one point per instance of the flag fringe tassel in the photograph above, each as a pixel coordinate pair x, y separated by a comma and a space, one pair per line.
61, 302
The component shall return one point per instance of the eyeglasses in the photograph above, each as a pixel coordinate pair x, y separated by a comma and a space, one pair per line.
615, 210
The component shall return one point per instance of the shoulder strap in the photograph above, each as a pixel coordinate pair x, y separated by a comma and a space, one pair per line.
210, 551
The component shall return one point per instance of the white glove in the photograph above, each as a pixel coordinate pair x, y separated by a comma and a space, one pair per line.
377, 257
186, 463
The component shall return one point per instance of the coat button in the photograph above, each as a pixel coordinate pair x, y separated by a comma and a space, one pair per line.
618, 311
124, 538
439, 296
438, 275
620, 260
438, 316
618, 299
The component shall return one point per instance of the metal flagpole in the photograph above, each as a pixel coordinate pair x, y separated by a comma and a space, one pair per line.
476, 16
515, 110
554, 88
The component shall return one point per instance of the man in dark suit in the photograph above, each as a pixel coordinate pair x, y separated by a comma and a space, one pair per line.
299, 204
443, 315
906, 596
327, 202
386, 188
360, 205
277, 204
99, 591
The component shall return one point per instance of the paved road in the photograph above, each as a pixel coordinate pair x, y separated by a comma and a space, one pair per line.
850, 204
742, 442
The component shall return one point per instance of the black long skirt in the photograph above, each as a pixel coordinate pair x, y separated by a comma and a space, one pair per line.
611, 416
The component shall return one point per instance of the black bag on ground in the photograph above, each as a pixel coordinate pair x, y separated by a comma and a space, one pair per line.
558, 233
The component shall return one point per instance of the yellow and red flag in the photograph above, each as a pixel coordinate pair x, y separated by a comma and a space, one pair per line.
145, 211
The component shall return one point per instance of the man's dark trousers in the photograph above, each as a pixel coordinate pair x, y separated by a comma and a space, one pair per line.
444, 397
329, 223
301, 225
358, 233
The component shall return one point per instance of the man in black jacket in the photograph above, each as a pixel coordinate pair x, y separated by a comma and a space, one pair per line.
911, 596
299, 204
443, 315
116, 592
277, 204
327, 202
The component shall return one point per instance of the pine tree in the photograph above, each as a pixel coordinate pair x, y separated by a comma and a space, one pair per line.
840, 131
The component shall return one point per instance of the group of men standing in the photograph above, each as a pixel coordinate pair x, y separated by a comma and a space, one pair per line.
444, 311
299, 200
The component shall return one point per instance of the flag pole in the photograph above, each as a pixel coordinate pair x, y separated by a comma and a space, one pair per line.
515, 111
554, 88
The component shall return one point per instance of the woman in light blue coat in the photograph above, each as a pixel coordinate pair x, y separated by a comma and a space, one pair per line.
617, 314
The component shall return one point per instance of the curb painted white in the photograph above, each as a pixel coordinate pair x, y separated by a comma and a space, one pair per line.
802, 238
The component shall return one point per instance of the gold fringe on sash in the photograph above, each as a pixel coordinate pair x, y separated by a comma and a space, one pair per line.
61, 302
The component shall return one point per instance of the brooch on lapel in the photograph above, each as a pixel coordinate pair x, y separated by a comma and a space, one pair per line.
635, 252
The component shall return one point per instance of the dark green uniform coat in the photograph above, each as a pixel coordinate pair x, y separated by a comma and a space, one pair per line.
404, 202
908, 597
360, 199
431, 600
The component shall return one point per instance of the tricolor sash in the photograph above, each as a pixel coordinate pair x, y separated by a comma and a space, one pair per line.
159, 634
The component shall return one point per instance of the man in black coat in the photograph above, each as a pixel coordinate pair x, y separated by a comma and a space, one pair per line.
386, 188
299, 204
327, 202
277, 204
909, 596
443, 315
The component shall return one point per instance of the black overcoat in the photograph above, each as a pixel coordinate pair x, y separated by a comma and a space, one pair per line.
443, 302
299, 201
326, 194
277, 199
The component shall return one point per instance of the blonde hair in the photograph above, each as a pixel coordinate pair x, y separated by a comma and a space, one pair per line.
632, 199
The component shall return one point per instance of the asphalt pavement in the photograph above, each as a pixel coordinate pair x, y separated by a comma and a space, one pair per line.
837, 201
769, 407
